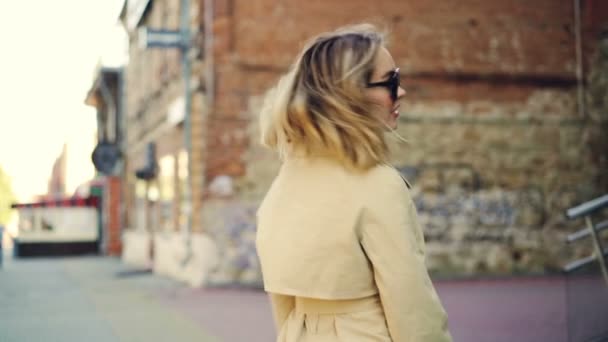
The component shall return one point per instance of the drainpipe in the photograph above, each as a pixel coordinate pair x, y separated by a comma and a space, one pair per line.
209, 79
186, 74
579, 60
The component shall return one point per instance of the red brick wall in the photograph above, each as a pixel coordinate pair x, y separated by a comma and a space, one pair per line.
449, 50
463, 36
226, 126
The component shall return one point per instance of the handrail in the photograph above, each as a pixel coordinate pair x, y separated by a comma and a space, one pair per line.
576, 264
587, 208
583, 232
600, 254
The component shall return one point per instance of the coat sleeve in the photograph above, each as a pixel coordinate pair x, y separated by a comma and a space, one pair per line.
281, 308
388, 235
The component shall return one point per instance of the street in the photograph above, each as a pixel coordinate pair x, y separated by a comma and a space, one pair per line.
102, 299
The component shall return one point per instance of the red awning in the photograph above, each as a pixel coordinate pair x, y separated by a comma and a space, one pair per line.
91, 201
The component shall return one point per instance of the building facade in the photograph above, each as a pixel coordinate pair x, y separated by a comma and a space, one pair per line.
161, 234
106, 95
503, 127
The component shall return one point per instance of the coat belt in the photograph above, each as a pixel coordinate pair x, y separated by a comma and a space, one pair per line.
305, 305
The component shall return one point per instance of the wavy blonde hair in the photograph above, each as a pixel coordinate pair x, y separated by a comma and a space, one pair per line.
319, 106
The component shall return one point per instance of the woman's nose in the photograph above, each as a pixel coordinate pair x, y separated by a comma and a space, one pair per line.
401, 93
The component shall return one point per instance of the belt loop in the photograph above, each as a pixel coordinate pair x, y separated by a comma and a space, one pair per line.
311, 323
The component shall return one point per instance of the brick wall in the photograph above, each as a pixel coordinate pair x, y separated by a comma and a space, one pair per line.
111, 209
154, 83
497, 149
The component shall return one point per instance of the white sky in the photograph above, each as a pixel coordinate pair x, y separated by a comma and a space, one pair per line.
47, 61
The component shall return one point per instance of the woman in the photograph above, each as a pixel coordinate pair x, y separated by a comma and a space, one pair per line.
341, 250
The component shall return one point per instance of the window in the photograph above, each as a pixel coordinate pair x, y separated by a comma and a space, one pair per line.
166, 185
182, 175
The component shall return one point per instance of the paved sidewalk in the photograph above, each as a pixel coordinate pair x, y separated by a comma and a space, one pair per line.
88, 299
101, 299
232, 315
532, 309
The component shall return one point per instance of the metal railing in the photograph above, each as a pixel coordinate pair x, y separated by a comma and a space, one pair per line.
587, 210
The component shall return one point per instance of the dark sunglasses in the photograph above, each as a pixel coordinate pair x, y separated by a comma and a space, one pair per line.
392, 84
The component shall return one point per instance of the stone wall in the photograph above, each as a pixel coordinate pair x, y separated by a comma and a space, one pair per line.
596, 133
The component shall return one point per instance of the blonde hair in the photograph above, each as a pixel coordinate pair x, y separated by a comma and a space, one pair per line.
319, 107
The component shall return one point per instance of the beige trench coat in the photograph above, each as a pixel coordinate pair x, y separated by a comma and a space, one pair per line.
342, 256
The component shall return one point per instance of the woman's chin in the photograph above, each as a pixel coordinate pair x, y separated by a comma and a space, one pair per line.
392, 124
